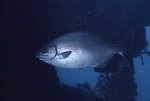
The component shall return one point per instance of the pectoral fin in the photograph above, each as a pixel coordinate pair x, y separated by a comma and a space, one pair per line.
64, 55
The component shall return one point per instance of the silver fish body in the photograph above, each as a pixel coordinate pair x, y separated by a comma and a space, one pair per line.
78, 50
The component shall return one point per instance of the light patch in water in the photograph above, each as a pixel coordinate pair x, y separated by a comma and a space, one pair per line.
71, 77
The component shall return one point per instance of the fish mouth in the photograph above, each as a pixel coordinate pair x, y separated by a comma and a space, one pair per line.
43, 57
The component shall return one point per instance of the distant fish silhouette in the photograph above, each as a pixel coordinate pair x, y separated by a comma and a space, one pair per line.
78, 50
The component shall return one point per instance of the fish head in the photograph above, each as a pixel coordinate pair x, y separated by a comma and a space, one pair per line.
54, 54
47, 52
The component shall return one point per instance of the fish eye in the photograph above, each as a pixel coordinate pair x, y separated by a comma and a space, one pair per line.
44, 50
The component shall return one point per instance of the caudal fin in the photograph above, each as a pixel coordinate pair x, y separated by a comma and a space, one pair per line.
127, 49
128, 58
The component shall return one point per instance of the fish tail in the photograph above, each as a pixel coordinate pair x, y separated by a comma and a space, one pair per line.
127, 52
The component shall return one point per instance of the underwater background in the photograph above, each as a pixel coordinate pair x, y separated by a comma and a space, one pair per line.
28, 24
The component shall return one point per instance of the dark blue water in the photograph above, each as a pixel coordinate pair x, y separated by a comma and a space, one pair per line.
28, 24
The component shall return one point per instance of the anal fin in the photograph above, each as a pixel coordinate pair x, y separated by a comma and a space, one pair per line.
104, 63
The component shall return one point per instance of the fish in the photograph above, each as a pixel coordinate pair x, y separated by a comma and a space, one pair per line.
79, 50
